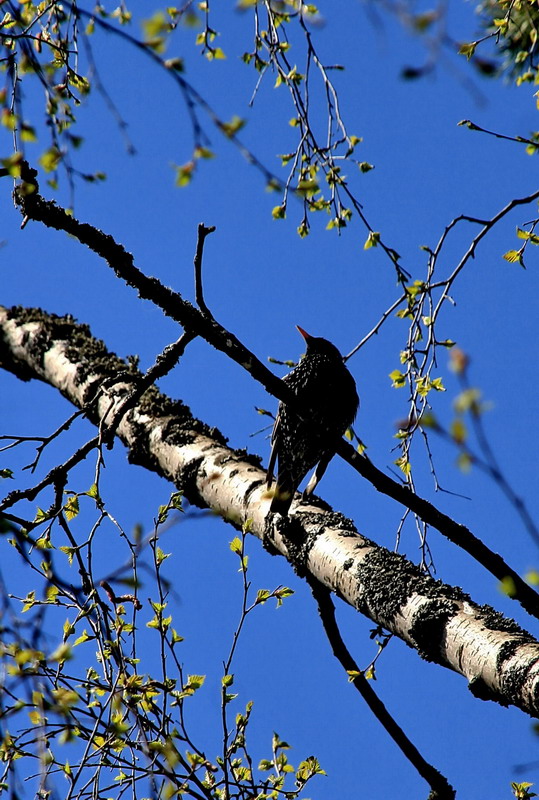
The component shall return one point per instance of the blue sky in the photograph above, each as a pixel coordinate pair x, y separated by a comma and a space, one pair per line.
261, 280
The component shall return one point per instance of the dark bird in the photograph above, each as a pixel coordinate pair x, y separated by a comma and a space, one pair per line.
309, 435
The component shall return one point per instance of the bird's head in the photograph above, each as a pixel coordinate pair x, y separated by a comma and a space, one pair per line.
319, 346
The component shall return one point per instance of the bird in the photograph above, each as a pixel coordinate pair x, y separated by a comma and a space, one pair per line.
308, 435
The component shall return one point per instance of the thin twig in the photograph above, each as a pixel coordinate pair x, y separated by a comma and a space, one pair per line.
203, 231
441, 789
165, 361
52, 477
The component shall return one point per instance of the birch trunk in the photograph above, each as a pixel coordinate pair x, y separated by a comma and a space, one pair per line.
442, 623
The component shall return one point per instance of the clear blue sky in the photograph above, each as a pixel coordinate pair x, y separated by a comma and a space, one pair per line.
261, 280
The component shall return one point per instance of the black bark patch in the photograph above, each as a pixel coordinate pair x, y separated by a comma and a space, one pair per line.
428, 626
495, 621
516, 676
482, 691
389, 580
253, 486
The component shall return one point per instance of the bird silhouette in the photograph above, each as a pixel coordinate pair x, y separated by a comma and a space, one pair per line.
308, 435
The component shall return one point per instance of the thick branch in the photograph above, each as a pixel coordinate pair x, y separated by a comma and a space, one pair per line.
442, 623
203, 324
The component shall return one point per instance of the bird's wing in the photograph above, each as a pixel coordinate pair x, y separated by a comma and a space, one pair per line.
274, 449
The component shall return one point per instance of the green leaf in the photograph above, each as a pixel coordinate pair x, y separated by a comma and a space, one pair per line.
458, 431
398, 378
41, 515
29, 601
231, 128
194, 682
203, 152
36, 718
372, 240
44, 543
8, 119
282, 593
307, 188
370, 674
61, 654
507, 586
308, 768
262, 595
50, 159
236, 545
69, 551
513, 256
464, 462
531, 237
532, 577
467, 49
7, 21
468, 400
84, 637
437, 385
403, 464
28, 133
71, 508
79, 82
279, 212
184, 174
160, 556
13, 164
502, 24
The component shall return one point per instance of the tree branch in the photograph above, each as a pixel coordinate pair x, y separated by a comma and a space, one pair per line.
442, 623
203, 231
440, 787
454, 531
34, 206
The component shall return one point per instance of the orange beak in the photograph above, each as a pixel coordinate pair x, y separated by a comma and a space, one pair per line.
305, 335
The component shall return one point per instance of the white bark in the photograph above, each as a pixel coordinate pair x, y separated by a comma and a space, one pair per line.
500, 660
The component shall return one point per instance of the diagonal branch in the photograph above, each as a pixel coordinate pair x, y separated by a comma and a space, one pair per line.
440, 787
454, 531
442, 623
34, 206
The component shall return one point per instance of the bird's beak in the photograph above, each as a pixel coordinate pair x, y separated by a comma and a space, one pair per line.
305, 335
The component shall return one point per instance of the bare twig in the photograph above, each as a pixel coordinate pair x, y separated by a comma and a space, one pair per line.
165, 361
440, 787
519, 139
203, 231
52, 477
